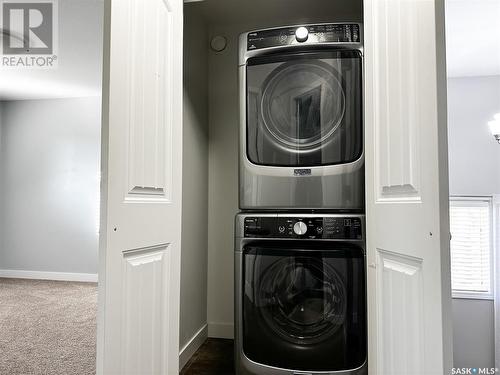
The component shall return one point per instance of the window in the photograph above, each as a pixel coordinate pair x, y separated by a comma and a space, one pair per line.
471, 247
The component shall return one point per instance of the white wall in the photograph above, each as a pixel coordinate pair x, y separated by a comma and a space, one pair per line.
474, 158
193, 312
474, 155
49, 172
229, 19
473, 333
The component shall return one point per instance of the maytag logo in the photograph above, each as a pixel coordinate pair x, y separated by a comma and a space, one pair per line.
301, 172
29, 37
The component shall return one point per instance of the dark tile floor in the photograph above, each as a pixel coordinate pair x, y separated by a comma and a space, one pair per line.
215, 357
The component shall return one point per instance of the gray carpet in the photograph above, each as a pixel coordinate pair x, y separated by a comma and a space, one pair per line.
47, 327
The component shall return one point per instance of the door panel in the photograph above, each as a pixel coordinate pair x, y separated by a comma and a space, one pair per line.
141, 211
400, 284
407, 188
144, 311
400, 78
150, 101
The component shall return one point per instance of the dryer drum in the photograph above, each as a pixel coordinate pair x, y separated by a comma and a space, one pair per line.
303, 104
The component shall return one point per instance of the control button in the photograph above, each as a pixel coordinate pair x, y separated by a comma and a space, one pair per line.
300, 228
281, 229
319, 230
301, 34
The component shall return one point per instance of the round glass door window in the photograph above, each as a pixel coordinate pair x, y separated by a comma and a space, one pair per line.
303, 104
305, 299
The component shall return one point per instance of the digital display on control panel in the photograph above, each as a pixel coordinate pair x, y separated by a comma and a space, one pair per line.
326, 33
348, 228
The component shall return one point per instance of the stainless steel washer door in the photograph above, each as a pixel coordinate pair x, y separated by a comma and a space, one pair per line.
304, 305
306, 299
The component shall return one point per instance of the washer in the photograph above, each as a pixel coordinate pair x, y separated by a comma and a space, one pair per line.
301, 120
300, 294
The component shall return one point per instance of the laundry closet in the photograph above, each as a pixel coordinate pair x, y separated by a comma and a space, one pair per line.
210, 149
146, 244
170, 75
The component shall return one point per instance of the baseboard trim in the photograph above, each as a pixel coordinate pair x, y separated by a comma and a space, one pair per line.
42, 275
192, 346
221, 330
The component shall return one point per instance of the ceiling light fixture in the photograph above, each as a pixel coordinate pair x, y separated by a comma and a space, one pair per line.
495, 127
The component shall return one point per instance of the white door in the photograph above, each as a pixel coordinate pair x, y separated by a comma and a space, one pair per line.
409, 293
139, 274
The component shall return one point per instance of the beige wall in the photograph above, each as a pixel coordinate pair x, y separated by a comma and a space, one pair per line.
223, 186
193, 313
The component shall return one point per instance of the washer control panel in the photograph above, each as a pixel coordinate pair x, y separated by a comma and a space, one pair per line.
338, 228
323, 33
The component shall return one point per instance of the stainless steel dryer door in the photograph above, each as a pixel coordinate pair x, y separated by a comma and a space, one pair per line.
304, 109
304, 306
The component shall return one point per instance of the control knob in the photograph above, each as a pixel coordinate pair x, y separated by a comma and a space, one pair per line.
300, 228
301, 34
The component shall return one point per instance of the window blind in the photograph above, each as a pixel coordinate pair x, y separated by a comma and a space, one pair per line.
471, 258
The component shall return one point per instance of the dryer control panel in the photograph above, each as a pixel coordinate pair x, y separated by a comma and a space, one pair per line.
336, 228
286, 36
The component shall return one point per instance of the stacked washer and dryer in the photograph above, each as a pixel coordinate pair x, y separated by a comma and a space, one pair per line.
300, 299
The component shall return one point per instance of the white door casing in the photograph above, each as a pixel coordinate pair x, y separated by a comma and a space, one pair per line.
409, 288
139, 276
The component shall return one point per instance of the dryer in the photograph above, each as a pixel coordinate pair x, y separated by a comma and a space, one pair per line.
300, 294
301, 120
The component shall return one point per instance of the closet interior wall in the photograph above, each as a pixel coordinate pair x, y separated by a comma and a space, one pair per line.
194, 241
